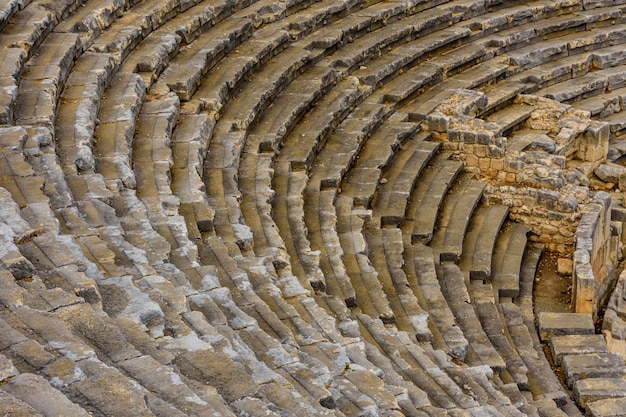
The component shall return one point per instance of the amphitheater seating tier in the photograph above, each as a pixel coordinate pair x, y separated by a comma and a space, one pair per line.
243, 207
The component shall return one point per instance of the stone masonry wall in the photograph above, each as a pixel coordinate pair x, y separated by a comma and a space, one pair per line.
542, 171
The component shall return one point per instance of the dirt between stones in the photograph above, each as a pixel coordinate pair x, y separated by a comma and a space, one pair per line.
552, 292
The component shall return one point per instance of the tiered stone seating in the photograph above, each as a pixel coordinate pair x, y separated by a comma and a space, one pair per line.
254, 207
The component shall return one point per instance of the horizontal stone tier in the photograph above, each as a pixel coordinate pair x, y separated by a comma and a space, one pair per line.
307, 207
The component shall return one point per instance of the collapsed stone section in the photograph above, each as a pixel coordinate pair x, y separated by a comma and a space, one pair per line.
541, 162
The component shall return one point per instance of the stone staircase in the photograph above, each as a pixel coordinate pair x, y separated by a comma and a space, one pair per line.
276, 208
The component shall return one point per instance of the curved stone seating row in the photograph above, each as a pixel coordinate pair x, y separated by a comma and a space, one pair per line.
143, 219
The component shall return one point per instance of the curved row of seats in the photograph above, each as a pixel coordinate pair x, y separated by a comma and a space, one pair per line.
228, 207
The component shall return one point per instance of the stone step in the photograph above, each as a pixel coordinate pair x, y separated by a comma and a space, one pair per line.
602, 105
537, 54
352, 26
362, 180
91, 19
320, 220
497, 20
289, 106
288, 214
530, 263
522, 333
606, 407
610, 56
404, 87
510, 117
151, 153
562, 324
401, 177
480, 240
364, 277
317, 15
419, 267
455, 292
34, 391
428, 195
114, 133
386, 254
507, 260
492, 324
254, 96
189, 144
10, 404
617, 147
424, 104
184, 75
28, 28
343, 146
127, 31
502, 94
463, 57
429, 36
54, 62
589, 390
473, 78
8, 11
308, 136
530, 139
12, 62
255, 182
592, 365
393, 34
218, 85
413, 364
570, 91
456, 213
43, 78
576, 344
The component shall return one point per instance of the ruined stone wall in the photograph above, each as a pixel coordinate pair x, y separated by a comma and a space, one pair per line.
592, 264
542, 170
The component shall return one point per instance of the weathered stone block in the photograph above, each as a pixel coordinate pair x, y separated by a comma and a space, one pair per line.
558, 324
593, 389
576, 344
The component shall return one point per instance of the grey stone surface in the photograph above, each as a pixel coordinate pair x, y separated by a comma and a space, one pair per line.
559, 324
606, 365
609, 407
562, 346
593, 389
206, 260
38, 394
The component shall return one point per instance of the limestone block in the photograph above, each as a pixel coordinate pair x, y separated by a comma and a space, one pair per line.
110, 391
37, 392
608, 407
592, 365
10, 405
612, 173
7, 369
564, 266
593, 389
63, 372
573, 344
559, 324
122, 297
232, 380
